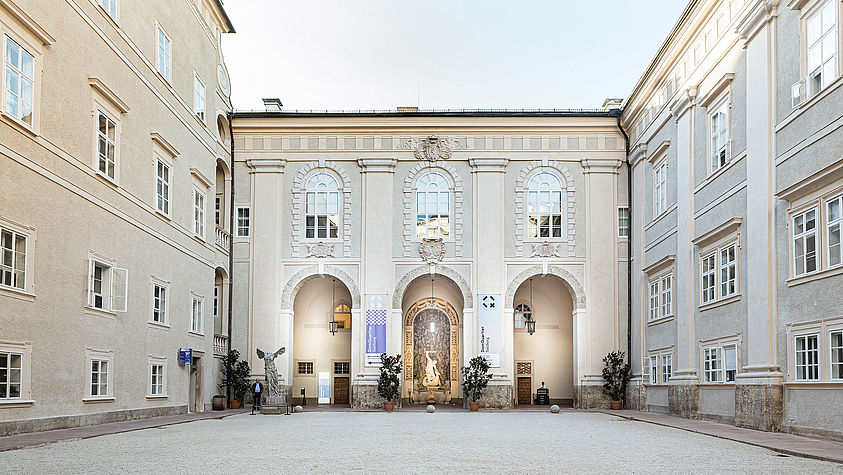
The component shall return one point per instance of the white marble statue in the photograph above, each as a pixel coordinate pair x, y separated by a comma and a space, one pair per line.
431, 372
273, 385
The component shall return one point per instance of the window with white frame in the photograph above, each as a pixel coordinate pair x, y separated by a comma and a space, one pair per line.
660, 188
196, 314
217, 208
106, 144
198, 213
110, 7
833, 225
107, 286
164, 60
807, 353
159, 303
13, 259
99, 377
667, 367
712, 365
545, 206
157, 377
243, 221
322, 204
162, 187
304, 367
522, 313
198, 97
654, 369
623, 221
667, 295
661, 297
730, 363
728, 271
822, 44
217, 293
11, 375
719, 130
708, 278
654, 300
835, 347
805, 242
433, 206
19, 82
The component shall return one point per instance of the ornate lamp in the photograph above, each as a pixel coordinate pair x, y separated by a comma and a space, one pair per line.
333, 325
531, 322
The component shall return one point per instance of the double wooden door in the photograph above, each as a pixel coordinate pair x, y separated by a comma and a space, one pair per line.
341, 390
524, 390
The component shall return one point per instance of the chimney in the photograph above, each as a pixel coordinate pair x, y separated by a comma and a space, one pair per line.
272, 104
612, 103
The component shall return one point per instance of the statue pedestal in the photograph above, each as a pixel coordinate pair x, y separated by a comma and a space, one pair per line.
274, 405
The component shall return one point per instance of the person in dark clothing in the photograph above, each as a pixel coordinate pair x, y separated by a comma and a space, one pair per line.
257, 389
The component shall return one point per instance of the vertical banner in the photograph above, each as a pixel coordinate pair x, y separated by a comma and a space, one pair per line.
488, 322
375, 328
324, 392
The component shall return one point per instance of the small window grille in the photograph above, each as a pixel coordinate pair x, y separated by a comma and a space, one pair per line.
305, 367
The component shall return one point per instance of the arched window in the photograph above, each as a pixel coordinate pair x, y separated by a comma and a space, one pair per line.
545, 206
342, 315
322, 198
433, 207
522, 312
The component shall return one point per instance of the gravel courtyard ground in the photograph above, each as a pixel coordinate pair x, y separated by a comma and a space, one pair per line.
408, 442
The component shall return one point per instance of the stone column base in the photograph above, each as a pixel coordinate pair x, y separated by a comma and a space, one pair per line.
590, 396
759, 406
636, 395
365, 396
498, 396
683, 399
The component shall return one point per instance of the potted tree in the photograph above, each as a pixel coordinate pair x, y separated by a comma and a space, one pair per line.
616, 376
475, 378
388, 382
235, 375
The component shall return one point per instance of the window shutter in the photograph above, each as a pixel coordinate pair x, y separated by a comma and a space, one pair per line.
119, 289
645, 366
90, 298
730, 354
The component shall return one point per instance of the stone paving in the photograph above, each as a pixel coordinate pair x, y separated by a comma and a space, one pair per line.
409, 442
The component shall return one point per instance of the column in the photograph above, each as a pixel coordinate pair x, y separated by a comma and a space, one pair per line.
489, 271
758, 388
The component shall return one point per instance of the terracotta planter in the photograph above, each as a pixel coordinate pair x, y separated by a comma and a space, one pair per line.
617, 405
389, 406
234, 404
474, 406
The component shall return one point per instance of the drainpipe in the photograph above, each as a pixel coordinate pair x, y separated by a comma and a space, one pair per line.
628, 244
230, 240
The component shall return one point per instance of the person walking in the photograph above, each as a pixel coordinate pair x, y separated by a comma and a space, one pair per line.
257, 388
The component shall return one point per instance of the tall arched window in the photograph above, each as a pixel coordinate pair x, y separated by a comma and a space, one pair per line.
545, 206
433, 207
322, 198
342, 315
522, 312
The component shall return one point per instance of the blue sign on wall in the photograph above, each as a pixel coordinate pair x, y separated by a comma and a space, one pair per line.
185, 356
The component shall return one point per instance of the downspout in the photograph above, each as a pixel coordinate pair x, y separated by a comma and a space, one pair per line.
628, 243
230, 241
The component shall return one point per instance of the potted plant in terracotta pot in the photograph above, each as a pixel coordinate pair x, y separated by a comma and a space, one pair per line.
616, 376
475, 378
235, 376
389, 382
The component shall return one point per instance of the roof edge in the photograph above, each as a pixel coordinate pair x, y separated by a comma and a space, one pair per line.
431, 113
225, 16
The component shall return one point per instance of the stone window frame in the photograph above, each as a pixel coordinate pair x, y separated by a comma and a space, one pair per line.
107, 356
657, 273
658, 354
718, 99
196, 300
569, 206
298, 203
409, 191
627, 226
23, 348
165, 285
311, 374
106, 102
156, 361
822, 329
732, 341
27, 292
109, 265
808, 10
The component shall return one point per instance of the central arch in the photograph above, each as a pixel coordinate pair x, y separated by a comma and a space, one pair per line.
300, 278
569, 281
409, 277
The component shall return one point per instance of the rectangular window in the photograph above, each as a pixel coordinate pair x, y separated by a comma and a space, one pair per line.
305, 367
198, 97
159, 304
719, 129
156, 379
835, 339
99, 378
243, 221
654, 300
805, 242
19, 82
198, 213
807, 358
13, 263
667, 368
834, 221
196, 315
728, 271
708, 274
667, 306
342, 367
106, 144
216, 302
730, 358
164, 52
107, 287
11, 375
623, 221
321, 214
217, 209
712, 365
660, 189
110, 6
654, 370
822, 42
162, 187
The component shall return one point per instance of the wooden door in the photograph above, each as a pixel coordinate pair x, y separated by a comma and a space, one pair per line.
524, 390
341, 390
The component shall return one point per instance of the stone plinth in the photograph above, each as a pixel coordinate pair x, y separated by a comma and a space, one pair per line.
636, 396
683, 399
497, 396
274, 405
591, 396
365, 396
759, 406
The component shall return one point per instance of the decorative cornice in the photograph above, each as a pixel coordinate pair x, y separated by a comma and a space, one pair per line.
818, 180
200, 177
601, 165
497, 165
108, 94
377, 165
18, 14
797, 4
320, 250
723, 230
722, 84
161, 142
685, 101
637, 153
264, 165
659, 265
756, 17
658, 151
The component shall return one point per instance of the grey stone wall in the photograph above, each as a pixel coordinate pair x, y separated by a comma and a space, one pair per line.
498, 397
66, 422
759, 406
365, 396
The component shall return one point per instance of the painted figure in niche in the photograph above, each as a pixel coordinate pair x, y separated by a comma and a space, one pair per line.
432, 378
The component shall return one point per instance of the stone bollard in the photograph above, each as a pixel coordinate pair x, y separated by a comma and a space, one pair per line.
299, 409
431, 408
554, 409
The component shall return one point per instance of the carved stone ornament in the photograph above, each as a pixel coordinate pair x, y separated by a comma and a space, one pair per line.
320, 249
432, 250
432, 148
545, 249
